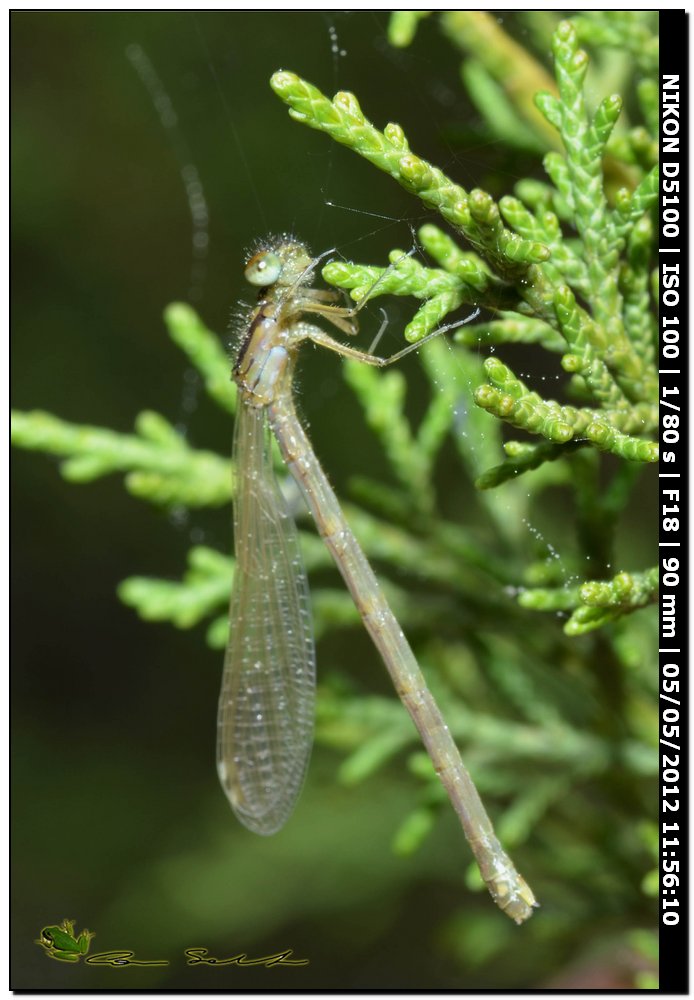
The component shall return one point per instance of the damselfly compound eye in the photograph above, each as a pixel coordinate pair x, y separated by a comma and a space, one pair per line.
263, 268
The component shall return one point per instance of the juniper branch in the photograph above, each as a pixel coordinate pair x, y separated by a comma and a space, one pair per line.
160, 465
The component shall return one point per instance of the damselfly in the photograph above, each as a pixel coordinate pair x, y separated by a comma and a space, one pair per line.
265, 727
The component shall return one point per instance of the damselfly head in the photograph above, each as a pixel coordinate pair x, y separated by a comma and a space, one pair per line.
280, 260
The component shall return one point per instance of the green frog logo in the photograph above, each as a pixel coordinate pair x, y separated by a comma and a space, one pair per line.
60, 942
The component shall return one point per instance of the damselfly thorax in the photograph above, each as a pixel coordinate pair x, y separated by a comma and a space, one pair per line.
278, 325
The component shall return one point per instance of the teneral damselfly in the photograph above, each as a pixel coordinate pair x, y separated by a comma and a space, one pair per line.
266, 704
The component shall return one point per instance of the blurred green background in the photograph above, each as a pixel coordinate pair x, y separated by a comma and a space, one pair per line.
118, 819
